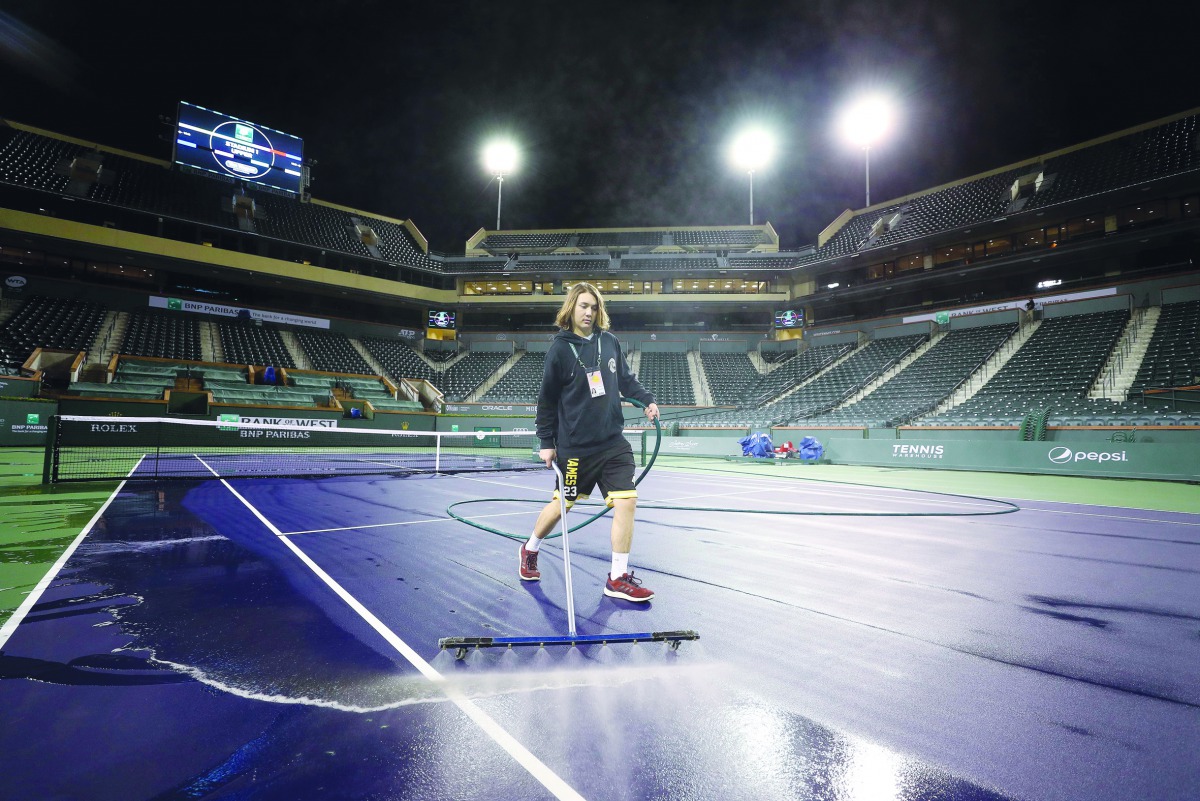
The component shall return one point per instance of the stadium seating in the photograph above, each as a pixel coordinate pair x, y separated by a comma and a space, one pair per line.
522, 382
793, 369
728, 375
399, 359
543, 264
247, 343
164, 336
842, 380
463, 377
1173, 354
1128, 160
374, 391
27, 159
35, 161
924, 383
1052, 371
1135, 158
719, 238
56, 323
548, 241
440, 356
667, 375
620, 239
260, 395
668, 263
456, 381
332, 353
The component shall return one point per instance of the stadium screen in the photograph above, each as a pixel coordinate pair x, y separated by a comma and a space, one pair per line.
214, 142
441, 324
789, 318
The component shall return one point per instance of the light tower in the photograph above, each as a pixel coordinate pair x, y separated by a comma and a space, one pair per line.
864, 123
752, 149
500, 159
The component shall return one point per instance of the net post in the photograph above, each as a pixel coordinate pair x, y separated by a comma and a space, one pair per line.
437, 452
50, 462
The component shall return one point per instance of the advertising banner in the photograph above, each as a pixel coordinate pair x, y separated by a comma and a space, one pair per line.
1112, 460
221, 310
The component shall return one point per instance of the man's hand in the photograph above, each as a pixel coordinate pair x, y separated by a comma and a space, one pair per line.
652, 411
547, 455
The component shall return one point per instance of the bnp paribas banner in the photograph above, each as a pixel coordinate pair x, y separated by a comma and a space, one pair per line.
221, 310
1115, 459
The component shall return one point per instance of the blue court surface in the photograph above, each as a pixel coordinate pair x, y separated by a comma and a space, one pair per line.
278, 639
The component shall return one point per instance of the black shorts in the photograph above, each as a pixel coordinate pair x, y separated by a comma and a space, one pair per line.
611, 468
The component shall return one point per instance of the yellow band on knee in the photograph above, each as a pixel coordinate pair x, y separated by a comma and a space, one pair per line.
618, 495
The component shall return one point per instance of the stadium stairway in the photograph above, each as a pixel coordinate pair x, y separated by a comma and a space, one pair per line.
699, 379
495, 377
984, 374
293, 347
827, 368
112, 334
1123, 363
371, 360
210, 343
892, 371
8, 308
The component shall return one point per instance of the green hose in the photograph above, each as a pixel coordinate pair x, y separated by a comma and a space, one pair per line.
1007, 506
588, 521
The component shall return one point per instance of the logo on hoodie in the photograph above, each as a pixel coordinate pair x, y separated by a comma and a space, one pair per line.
612, 365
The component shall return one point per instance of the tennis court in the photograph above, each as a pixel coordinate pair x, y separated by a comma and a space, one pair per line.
863, 635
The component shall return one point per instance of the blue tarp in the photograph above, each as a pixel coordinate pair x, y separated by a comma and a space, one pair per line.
757, 445
811, 450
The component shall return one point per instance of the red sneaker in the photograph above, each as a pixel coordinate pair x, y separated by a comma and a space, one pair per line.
627, 587
528, 566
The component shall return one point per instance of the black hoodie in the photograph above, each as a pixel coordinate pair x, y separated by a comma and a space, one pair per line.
568, 417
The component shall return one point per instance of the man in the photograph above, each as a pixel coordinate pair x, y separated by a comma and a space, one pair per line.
579, 426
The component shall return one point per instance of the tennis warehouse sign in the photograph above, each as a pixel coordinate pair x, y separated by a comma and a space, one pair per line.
918, 451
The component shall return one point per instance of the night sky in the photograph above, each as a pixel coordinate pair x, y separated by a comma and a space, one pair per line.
623, 110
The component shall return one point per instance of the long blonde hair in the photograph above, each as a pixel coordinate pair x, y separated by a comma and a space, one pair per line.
567, 312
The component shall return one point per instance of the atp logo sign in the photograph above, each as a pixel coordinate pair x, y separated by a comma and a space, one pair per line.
1064, 455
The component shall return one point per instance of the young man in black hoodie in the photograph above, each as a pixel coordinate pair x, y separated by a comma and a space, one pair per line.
580, 425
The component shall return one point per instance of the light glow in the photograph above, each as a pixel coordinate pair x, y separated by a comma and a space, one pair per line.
867, 120
500, 157
752, 149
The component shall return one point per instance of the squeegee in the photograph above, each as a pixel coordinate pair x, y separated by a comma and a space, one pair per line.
462, 645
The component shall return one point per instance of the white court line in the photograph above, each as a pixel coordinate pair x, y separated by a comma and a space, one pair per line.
1113, 517
538, 769
407, 523
35, 595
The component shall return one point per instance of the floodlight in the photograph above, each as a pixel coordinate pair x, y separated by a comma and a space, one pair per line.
864, 123
500, 158
751, 150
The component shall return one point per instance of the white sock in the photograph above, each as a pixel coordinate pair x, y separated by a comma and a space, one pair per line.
533, 544
620, 565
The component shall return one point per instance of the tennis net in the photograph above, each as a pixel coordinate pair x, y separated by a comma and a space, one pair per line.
83, 448
86, 448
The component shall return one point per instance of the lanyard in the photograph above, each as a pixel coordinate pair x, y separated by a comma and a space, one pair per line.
581, 364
